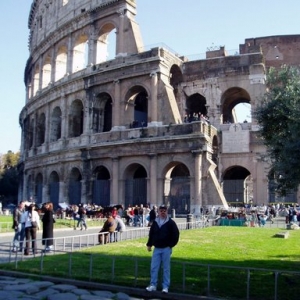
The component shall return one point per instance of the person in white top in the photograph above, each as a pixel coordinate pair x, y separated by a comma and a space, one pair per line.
32, 224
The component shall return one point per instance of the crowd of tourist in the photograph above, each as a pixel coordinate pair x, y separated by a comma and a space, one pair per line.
26, 222
254, 216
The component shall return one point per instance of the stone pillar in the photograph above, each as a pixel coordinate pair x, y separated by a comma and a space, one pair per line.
45, 192
47, 128
92, 47
153, 174
86, 116
53, 66
120, 35
116, 104
61, 197
70, 57
83, 191
115, 181
40, 74
153, 102
197, 195
64, 118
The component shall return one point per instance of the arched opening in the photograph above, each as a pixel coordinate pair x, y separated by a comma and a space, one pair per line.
237, 186
106, 43
36, 80
80, 54
235, 106
141, 109
137, 107
215, 149
135, 185
46, 72
195, 107
76, 119
41, 128
54, 188
175, 78
75, 187
102, 113
61, 63
39, 188
177, 188
55, 126
101, 187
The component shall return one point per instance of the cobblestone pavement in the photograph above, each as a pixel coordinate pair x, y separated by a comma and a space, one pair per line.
12, 288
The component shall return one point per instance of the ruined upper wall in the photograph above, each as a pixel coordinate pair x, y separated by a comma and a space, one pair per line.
277, 50
221, 66
48, 16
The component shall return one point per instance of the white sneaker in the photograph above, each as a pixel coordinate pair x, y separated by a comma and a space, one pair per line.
165, 290
151, 288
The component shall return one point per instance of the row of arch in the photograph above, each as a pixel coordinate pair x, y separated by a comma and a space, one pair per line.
72, 54
237, 185
39, 129
176, 187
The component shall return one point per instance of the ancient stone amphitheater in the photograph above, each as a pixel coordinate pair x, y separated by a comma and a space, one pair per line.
145, 126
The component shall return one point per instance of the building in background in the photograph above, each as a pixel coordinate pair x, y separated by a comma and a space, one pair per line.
145, 127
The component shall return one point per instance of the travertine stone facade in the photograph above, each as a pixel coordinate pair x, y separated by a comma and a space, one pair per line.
133, 129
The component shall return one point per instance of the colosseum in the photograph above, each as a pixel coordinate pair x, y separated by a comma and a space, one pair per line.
147, 126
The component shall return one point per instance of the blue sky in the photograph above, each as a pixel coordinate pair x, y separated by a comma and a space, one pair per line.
188, 27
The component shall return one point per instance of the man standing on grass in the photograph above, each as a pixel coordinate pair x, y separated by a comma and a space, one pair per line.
163, 235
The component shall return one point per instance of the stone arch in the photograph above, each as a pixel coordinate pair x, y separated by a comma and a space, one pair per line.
75, 186
36, 79
229, 100
102, 113
195, 107
105, 37
235, 185
47, 69
80, 53
61, 62
55, 124
176, 78
101, 186
76, 118
177, 187
39, 188
137, 106
29, 128
54, 188
40, 130
135, 185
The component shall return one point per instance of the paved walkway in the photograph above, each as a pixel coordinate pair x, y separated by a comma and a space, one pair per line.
12, 288
14, 285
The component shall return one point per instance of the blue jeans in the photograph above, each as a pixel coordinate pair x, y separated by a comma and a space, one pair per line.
161, 256
17, 237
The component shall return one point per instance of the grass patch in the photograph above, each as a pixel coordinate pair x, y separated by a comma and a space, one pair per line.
225, 249
59, 223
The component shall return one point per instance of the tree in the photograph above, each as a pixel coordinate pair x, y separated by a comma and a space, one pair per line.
279, 120
9, 177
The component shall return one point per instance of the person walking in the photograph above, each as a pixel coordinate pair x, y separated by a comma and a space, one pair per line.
17, 226
48, 224
32, 224
163, 235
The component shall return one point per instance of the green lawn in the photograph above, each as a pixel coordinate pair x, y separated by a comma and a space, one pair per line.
60, 223
216, 246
